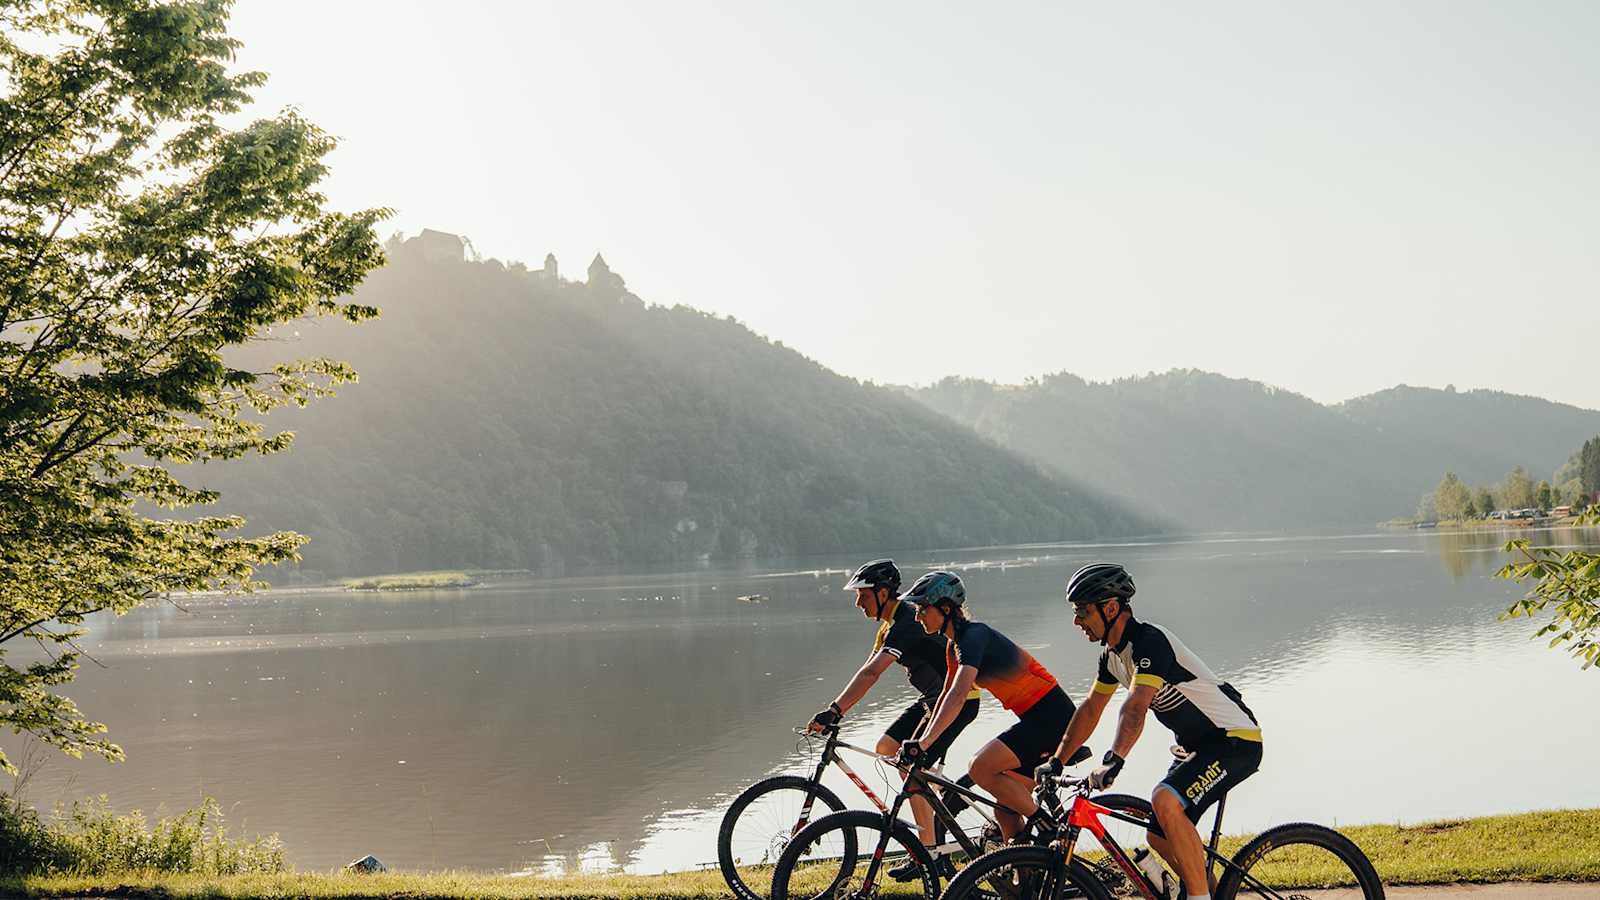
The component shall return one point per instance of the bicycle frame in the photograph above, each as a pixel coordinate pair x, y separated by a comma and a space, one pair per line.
918, 781
1085, 814
830, 755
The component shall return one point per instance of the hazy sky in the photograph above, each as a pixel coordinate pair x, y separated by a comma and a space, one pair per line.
1329, 197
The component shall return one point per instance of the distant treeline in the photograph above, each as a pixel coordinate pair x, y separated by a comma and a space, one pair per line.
508, 418
1574, 484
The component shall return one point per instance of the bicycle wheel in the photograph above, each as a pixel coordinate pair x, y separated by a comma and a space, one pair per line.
822, 860
760, 823
1296, 862
1025, 873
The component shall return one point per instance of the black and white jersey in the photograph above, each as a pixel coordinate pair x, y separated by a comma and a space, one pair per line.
1190, 699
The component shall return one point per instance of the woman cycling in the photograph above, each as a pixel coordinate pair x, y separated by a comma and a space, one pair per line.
977, 654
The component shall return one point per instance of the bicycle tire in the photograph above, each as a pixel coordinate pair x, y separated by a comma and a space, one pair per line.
1025, 873
842, 829
1297, 856
729, 856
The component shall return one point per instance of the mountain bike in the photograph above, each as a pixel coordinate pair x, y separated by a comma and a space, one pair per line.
824, 859
766, 815
1281, 863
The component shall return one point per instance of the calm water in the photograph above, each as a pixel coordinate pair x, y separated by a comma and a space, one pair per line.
604, 722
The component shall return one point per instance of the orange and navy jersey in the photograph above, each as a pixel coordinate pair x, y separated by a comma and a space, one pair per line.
1005, 670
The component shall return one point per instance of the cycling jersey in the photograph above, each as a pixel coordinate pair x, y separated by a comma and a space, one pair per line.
1190, 700
1005, 670
920, 652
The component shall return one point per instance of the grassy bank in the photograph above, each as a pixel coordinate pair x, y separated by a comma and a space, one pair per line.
411, 581
1546, 846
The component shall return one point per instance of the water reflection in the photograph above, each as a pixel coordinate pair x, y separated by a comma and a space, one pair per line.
588, 724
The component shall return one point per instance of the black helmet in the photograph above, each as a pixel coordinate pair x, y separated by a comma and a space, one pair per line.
1098, 582
935, 588
880, 573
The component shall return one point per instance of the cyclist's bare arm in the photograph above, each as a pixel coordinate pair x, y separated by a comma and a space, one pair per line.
864, 679
956, 689
1130, 722
1084, 719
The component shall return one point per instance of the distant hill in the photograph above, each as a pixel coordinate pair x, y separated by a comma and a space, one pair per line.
509, 418
1480, 433
1206, 451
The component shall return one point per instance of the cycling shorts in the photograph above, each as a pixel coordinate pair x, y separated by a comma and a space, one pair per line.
910, 722
1038, 731
1203, 778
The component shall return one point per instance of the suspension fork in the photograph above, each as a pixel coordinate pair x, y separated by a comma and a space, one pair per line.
828, 755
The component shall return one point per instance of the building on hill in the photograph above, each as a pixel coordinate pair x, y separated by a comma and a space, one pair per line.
605, 282
439, 246
550, 272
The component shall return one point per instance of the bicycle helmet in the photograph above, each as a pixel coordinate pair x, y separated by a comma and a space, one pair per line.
880, 573
1099, 582
937, 588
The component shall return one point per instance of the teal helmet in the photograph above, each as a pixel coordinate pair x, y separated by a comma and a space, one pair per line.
937, 588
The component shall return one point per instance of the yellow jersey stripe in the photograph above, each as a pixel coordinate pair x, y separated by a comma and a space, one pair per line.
1246, 734
1100, 687
1146, 678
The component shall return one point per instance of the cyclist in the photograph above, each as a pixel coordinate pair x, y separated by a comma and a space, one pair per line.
976, 654
1219, 734
900, 640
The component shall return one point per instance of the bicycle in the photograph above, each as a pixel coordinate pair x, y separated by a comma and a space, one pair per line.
821, 860
1277, 864
766, 815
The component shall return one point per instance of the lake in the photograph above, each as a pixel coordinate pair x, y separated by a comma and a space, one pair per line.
604, 722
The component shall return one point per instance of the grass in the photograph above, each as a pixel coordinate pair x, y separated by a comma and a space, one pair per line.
1544, 846
90, 839
411, 581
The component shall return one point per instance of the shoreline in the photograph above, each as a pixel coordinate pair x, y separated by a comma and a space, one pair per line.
1551, 847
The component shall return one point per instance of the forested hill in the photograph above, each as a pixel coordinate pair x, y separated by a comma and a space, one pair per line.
1215, 452
506, 418
1479, 433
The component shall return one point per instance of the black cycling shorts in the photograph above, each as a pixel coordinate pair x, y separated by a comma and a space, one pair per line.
910, 722
1203, 778
1038, 732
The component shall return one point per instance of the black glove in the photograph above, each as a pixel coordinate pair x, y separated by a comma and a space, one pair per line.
827, 718
1106, 774
912, 755
1047, 769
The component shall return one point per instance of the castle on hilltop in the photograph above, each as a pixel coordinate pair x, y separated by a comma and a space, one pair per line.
444, 247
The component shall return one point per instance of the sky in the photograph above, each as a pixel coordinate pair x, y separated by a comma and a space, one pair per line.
1329, 198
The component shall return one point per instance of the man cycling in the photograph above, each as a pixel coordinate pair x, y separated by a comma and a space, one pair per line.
900, 640
1219, 733
978, 655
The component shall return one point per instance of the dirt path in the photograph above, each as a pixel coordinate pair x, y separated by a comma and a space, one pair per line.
1561, 890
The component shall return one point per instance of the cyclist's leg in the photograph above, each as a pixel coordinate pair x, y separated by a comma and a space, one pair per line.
898, 731
993, 770
937, 752
1006, 771
1189, 789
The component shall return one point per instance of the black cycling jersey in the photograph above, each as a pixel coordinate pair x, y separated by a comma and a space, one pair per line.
1190, 700
920, 652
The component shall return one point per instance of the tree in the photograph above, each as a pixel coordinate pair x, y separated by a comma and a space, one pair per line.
1589, 466
1485, 502
1451, 499
139, 240
1516, 491
1568, 581
1544, 495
